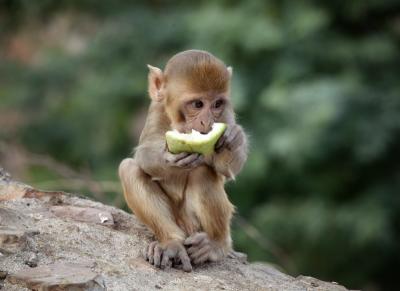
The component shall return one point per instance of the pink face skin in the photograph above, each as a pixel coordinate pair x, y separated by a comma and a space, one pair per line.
200, 111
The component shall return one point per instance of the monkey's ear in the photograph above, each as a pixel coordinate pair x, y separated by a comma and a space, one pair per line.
156, 79
230, 71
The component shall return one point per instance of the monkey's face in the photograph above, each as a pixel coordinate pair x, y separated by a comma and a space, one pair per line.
196, 111
194, 89
202, 110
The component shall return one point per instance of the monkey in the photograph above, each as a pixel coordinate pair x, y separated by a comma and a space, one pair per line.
181, 197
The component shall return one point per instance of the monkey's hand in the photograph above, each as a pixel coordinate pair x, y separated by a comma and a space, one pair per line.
165, 254
232, 139
230, 152
201, 249
183, 160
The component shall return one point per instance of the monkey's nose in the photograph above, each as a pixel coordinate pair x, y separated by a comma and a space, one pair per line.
206, 127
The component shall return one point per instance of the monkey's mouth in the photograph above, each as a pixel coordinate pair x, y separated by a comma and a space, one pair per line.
191, 130
199, 131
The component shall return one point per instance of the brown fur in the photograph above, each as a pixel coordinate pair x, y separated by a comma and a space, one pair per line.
198, 70
175, 202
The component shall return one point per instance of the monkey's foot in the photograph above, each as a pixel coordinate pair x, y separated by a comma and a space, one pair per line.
242, 257
168, 254
199, 248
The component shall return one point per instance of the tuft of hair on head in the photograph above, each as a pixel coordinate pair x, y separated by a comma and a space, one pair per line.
201, 70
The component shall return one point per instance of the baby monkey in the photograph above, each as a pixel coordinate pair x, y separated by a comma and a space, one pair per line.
181, 197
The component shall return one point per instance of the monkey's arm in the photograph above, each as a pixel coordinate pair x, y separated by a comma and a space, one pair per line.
148, 201
153, 158
231, 152
149, 156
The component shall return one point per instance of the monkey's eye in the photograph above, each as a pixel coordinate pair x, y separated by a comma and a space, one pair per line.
218, 103
197, 104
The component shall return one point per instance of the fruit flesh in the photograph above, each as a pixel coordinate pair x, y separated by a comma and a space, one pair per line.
194, 142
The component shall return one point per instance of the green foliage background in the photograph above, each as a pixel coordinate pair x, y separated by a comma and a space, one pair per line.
316, 85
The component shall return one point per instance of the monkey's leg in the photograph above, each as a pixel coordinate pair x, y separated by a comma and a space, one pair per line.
214, 212
151, 206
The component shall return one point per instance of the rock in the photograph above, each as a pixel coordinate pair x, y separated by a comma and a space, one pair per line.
11, 218
10, 189
58, 277
315, 283
13, 240
4, 176
90, 255
85, 214
32, 260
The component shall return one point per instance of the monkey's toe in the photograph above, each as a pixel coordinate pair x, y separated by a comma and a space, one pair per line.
201, 254
196, 238
149, 252
157, 255
171, 254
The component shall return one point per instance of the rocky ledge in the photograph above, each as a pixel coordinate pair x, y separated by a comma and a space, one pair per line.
57, 241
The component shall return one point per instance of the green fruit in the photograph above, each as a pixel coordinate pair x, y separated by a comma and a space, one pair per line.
194, 142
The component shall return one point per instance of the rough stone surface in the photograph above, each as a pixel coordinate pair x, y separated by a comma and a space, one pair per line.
59, 276
110, 254
13, 240
85, 214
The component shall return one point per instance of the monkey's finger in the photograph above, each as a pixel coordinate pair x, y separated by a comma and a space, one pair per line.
191, 250
229, 142
186, 266
195, 248
225, 135
196, 162
176, 261
200, 252
232, 135
201, 259
150, 252
234, 255
221, 142
172, 158
167, 256
169, 264
145, 251
195, 239
236, 142
157, 256
181, 156
186, 161
165, 260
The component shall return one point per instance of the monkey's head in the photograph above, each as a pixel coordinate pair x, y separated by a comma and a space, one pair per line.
194, 89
